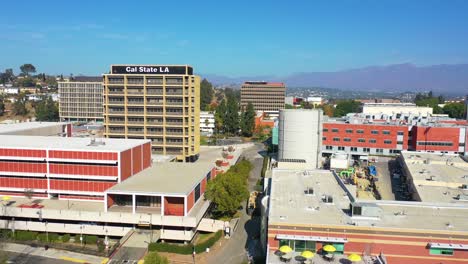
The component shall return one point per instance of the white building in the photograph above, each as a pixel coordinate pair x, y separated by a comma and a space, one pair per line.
207, 123
8, 90
396, 108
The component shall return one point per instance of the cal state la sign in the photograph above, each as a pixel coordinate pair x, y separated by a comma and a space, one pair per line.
151, 69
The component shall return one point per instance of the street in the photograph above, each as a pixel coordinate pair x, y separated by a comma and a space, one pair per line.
248, 230
19, 258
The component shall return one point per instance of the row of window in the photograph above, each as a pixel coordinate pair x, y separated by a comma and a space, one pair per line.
367, 150
361, 131
435, 143
362, 140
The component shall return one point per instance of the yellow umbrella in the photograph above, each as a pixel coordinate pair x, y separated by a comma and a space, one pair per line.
6, 198
329, 248
285, 249
354, 258
307, 254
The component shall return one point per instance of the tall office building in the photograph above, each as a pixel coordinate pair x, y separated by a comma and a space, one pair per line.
265, 96
81, 99
156, 102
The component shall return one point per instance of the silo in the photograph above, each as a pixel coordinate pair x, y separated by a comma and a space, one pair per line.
300, 135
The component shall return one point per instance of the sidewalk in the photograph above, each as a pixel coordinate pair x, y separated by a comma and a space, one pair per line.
53, 253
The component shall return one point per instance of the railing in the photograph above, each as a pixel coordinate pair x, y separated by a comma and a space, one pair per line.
116, 92
136, 122
174, 102
151, 91
174, 123
175, 143
139, 132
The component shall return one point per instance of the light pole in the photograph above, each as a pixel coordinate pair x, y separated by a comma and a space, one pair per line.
151, 228
81, 235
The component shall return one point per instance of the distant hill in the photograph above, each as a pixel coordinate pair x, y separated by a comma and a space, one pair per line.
446, 79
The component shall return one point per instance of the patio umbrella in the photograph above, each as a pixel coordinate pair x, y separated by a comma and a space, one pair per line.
307, 254
329, 248
6, 198
285, 249
354, 258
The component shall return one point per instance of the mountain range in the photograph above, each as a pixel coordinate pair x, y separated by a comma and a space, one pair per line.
444, 78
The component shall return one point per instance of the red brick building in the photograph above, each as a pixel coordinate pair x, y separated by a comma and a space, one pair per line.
68, 168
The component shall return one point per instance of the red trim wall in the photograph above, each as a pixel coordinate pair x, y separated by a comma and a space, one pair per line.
125, 164
23, 182
21, 194
32, 167
203, 186
23, 153
98, 170
110, 201
81, 197
444, 134
174, 206
59, 154
354, 136
147, 155
137, 159
405, 247
79, 185
190, 201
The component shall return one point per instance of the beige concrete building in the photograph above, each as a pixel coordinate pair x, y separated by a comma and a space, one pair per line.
265, 96
81, 99
156, 102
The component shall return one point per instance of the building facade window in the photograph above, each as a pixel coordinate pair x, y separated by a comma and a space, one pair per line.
360, 131
347, 140
373, 141
379, 150
197, 193
386, 132
325, 130
353, 149
361, 140
328, 147
374, 132
387, 141
341, 148
400, 133
366, 149
335, 130
336, 139
324, 138
441, 251
349, 131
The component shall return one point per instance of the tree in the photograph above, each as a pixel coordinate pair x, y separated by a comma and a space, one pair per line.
328, 110
345, 107
27, 68
228, 190
231, 120
2, 105
19, 106
206, 94
248, 121
454, 110
429, 101
47, 110
220, 115
7, 76
155, 258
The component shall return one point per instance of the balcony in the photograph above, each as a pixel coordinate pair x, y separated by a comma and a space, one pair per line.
154, 102
174, 123
119, 92
154, 131
154, 122
139, 122
154, 81
135, 102
154, 92
116, 121
135, 132
177, 133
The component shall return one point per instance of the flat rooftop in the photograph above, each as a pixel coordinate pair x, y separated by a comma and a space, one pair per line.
437, 177
8, 129
171, 177
68, 143
291, 204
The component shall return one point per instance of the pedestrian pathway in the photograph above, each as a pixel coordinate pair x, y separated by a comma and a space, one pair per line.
53, 253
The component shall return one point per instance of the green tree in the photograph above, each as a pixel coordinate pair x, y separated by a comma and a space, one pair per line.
47, 110
454, 110
7, 76
155, 258
27, 68
248, 121
220, 116
227, 191
2, 105
345, 107
288, 106
231, 120
206, 94
19, 106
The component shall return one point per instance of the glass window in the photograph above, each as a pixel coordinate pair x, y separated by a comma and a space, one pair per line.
361, 140
349, 131
335, 130
372, 141
347, 140
400, 133
375, 132
386, 132
197, 193
360, 131
336, 139
387, 141
325, 130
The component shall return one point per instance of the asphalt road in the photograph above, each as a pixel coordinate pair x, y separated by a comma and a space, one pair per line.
18, 258
245, 238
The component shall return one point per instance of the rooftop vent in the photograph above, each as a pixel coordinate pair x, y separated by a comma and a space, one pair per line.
431, 178
464, 186
327, 199
309, 191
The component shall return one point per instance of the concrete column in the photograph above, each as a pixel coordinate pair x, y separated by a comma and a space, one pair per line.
162, 204
185, 205
105, 202
133, 203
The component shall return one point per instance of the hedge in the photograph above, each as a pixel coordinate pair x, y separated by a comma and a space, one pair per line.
23, 235
185, 249
53, 237
66, 238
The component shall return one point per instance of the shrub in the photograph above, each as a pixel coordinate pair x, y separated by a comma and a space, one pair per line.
5, 234
185, 249
42, 237
100, 245
90, 239
77, 238
54, 237
25, 235
65, 238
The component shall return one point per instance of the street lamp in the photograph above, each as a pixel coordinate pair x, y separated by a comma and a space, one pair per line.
151, 228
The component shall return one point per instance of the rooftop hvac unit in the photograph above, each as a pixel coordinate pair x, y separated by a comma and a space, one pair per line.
431, 178
327, 199
464, 186
309, 191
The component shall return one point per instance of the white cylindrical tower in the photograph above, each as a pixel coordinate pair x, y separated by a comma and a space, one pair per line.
300, 135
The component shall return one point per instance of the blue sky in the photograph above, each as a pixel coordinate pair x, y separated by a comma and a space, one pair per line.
232, 38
